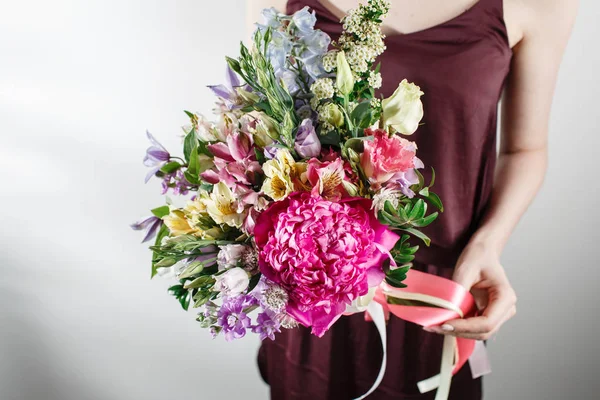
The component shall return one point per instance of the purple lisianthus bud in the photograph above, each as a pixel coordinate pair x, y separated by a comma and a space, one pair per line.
270, 152
233, 282
230, 255
307, 142
304, 20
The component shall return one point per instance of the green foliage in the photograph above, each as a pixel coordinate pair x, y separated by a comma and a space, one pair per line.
403, 252
257, 72
190, 142
170, 167
156, 257
363, 115
161, 211
181, 294
411, 213
193, 170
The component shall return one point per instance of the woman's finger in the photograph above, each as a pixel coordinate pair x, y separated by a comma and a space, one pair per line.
501, 302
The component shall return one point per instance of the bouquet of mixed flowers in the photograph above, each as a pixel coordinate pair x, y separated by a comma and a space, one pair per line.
303, 194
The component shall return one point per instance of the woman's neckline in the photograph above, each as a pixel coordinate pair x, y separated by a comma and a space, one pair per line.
339, 13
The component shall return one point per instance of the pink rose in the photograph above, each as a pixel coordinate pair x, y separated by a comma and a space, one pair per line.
323, 254
385, 156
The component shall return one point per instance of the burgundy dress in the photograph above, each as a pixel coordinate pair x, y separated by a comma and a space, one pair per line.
461, 66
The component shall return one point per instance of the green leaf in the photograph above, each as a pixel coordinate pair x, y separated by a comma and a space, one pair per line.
185, 301
192, 172
418, 210
418, 234
403, 258
160, 212
162, 232
253, 282
201, 281
331, 138
423, 222
189, 143
394, 282
362, 116
421, 179
170, 167
260, 156
435, 200
201, 298
389, 208
432, 177
386, 265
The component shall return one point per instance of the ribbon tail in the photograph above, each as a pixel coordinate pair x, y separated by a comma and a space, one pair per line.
377, 314
442, 381
479, 361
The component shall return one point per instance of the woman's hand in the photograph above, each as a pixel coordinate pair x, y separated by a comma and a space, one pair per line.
479, 270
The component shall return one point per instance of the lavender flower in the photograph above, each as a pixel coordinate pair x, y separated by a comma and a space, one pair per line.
149, 224
156, 156
266, 325
232, 317
177, 182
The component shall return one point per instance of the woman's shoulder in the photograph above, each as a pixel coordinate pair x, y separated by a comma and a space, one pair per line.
550, 18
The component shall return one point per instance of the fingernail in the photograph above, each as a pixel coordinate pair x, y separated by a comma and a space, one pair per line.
447, 328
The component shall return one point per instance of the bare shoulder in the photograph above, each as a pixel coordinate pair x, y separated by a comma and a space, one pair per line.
550, 19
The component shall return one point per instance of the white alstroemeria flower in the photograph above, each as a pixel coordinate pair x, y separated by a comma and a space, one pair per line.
223, 207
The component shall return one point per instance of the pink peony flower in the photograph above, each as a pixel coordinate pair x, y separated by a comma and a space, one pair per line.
385, 156
323, 254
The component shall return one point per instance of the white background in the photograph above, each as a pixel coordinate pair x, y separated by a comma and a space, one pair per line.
80, 81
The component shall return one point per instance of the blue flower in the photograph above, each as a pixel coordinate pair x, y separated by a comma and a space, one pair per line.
304, 20
316, 43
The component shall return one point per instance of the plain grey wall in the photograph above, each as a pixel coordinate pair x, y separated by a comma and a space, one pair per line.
79, 318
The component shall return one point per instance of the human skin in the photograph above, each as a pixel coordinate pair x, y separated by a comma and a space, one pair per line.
538, 31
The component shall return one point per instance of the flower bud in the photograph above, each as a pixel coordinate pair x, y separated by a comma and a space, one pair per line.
344, 79
232, 282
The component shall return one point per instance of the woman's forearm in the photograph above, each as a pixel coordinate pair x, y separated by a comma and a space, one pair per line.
519, 176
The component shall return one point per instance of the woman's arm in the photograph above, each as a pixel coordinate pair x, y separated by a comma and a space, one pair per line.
521, 164
255, 7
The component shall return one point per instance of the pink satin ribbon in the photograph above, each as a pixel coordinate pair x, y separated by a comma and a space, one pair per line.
441, 288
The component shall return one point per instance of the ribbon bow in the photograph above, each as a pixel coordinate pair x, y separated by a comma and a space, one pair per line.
428, 300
